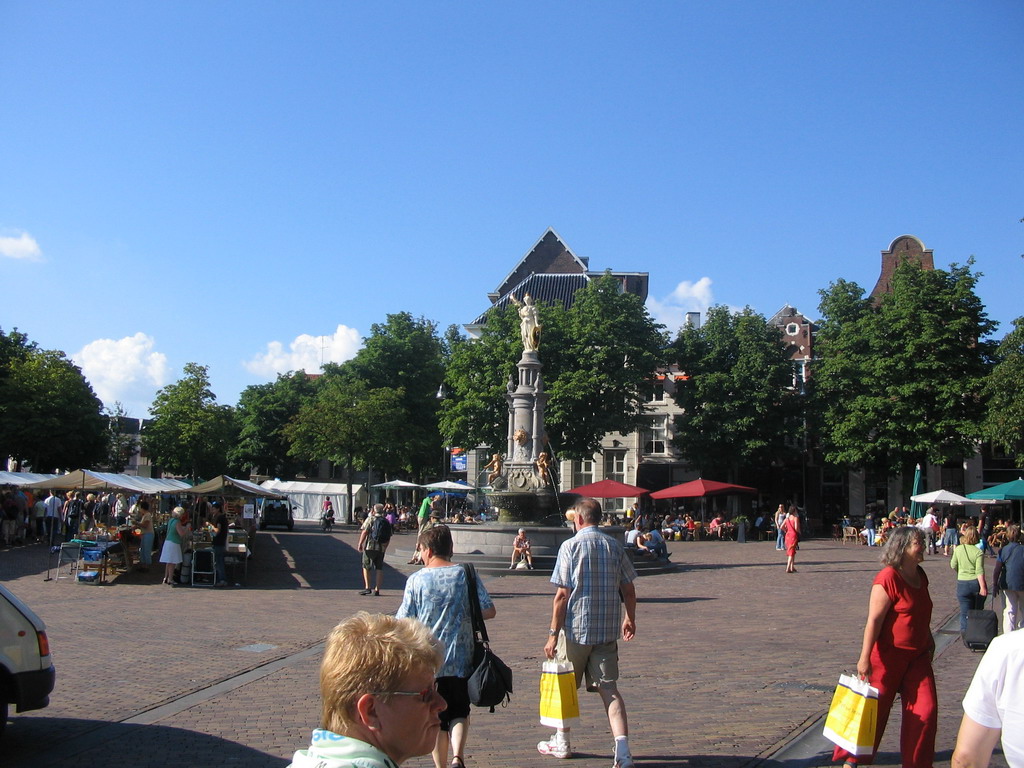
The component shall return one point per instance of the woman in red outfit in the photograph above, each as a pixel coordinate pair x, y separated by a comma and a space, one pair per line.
896, 655
791, 532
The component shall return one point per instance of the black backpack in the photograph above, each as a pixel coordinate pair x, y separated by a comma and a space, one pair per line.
380, 530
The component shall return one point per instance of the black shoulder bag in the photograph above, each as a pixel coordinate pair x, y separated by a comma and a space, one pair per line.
491, 681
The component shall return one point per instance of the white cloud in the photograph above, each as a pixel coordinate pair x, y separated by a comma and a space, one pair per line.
686, 297
124, 370
22, 246
306, 353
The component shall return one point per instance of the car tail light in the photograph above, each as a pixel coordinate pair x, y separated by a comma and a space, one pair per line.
44, 644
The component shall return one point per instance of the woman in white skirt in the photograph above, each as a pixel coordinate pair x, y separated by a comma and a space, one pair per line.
170, 555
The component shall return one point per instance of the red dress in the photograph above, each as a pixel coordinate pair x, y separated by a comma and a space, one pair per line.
792, 538
901, 663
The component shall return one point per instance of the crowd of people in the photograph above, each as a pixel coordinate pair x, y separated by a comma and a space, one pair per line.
55, 517
30, 517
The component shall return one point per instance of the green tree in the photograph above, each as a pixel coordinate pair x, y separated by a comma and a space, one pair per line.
51, 418
1004, 416
122, 441
899, 381
602, 359
351, 424
475, 411
405, 354
738, 398
263, 413
189, 433
597, 357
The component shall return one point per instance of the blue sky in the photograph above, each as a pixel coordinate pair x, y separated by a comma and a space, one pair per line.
251, 185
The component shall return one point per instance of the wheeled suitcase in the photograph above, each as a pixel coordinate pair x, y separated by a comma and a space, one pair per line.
981, 628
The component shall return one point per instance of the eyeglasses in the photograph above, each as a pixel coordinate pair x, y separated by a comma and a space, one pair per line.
425, 696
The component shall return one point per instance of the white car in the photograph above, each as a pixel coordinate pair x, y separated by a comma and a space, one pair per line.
26, 670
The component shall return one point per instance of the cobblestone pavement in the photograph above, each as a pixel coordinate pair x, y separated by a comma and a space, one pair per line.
733, 658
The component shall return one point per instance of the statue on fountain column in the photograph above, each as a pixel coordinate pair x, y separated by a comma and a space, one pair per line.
529, 323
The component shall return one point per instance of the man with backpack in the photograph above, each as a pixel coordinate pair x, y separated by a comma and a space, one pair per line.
374, 538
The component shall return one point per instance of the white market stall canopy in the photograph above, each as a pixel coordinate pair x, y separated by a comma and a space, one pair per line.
232, 487
24, 478
86, 479
307, 497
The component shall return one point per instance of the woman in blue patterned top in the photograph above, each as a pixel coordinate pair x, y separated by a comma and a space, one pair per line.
438, 596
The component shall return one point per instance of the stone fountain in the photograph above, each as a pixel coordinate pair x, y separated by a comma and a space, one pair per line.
522, 487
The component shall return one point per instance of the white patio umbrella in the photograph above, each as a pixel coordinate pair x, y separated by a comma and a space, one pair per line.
448, 486
397, 485
941, 497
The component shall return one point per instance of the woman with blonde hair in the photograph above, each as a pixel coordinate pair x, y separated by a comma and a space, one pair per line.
969, 563
380, 703
171, 554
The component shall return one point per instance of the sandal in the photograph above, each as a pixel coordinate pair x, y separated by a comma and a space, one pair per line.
457, 762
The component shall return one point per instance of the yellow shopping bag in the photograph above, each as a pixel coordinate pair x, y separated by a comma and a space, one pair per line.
559, 705
853, 716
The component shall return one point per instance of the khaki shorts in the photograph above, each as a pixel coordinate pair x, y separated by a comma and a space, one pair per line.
599, 663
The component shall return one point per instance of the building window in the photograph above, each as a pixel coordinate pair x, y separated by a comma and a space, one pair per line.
615, 465
656, 436
582, 472
799, 375
655, 391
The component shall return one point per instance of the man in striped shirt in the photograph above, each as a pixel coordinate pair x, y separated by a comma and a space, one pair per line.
594, 576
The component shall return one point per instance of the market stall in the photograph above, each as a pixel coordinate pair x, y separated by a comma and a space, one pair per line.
117, 543
239, 500
307, 498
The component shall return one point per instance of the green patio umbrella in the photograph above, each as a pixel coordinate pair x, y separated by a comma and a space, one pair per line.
915, 506
1011, 491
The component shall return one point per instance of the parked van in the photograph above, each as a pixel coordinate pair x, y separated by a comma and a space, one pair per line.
26, 671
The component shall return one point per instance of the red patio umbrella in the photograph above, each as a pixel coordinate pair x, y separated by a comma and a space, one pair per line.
700, 487
609, 489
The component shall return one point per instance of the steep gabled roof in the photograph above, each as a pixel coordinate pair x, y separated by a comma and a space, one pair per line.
545, 289
549, 255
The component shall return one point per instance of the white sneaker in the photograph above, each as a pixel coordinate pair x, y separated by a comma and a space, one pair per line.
555, 748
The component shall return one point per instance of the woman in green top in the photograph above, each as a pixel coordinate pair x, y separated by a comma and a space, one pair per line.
969, 563
171, 554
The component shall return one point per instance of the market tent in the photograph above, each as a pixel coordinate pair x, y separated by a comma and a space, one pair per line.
24, 478
222, 485
609, 489
88, 480
307, 497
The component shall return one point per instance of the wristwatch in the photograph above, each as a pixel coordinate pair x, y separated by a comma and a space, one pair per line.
552, 632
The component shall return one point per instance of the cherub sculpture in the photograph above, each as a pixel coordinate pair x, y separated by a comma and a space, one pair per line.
495, 466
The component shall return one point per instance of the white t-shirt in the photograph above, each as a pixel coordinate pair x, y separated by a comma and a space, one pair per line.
996, 696
926, 522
